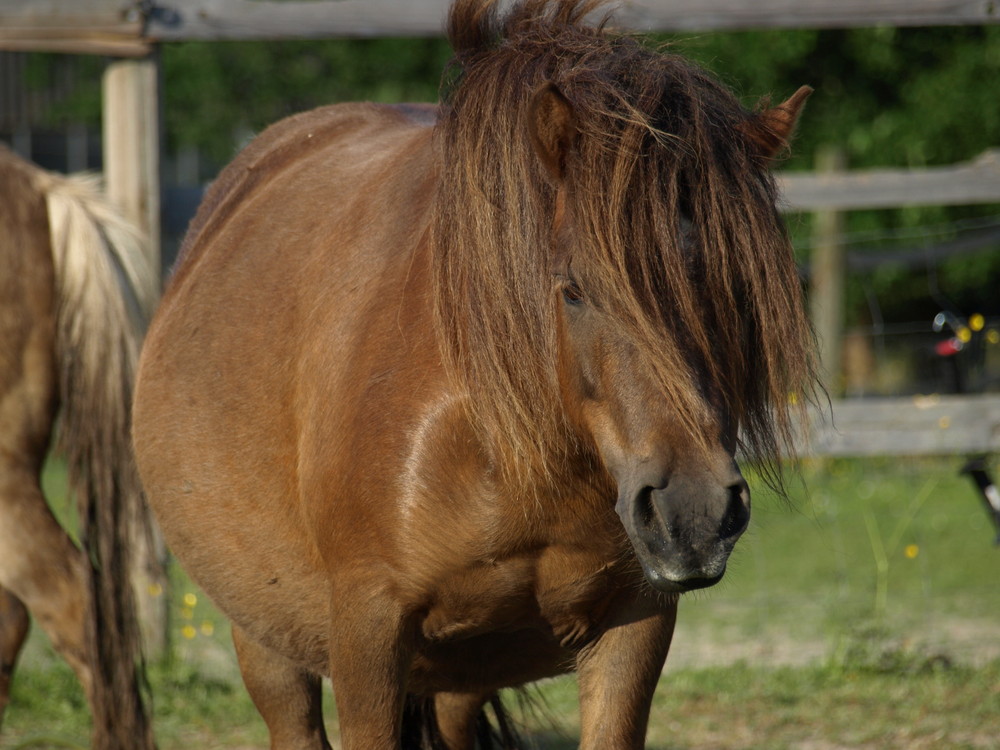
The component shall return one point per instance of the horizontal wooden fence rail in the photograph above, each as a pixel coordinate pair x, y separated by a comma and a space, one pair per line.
101, 27
716, 15
130, 27
242, 19
977, 181
907, 426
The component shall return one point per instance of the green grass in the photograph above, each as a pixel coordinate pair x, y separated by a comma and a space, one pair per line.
862, 613
919, 704
901, 545
864, 706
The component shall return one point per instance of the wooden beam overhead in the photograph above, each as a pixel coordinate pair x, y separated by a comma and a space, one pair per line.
176, 20
100, 27
128, 27
732, 15
258, 19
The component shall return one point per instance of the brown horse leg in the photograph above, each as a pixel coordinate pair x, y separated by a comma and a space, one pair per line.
41, 566
39, 563
288, 697
617, 676
456, 718
14, 623
369, 662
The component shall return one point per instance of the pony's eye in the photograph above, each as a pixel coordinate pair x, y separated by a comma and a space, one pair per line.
571, 292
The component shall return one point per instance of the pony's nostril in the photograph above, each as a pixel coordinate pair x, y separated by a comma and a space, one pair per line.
737, 515
644, 507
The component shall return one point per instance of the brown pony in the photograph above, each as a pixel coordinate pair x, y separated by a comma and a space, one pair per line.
69, 341
445, 399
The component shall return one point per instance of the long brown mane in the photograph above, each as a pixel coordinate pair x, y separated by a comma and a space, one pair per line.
675, 208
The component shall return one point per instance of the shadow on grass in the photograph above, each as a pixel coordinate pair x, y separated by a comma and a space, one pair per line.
554, 740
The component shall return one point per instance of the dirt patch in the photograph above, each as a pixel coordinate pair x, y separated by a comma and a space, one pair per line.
969, 641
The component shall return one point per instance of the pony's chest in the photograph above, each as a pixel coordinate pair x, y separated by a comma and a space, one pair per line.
550, 601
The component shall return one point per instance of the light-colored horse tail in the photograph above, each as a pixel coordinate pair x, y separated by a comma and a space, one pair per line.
106, 289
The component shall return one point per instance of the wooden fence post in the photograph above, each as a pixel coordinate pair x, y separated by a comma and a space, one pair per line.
131, 95
132, 144
826, 293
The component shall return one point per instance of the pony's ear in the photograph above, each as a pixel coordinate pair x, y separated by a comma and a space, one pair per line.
552, 128
771, 130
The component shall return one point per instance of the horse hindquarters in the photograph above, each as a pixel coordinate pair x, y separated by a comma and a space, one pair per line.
67, 339
40, 568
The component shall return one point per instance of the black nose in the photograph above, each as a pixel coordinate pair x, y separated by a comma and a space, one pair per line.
737, 514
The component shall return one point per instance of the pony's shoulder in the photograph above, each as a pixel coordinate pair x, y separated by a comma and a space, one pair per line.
335, 120
294, 139
302, 133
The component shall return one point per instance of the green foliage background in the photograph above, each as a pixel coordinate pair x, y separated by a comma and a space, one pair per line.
891, 97
212, 91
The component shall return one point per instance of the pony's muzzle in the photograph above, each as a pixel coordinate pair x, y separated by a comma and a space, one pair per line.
683, 531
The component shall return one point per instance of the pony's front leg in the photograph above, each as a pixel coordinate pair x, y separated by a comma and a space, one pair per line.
370, 653
287, 696
618, 675
456, 715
